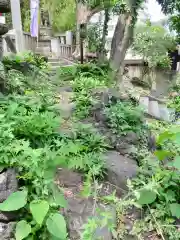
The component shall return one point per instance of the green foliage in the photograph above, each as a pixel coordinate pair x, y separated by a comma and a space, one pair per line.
172, 8
62, 14
175, 104
14, 202
31, 142
94, 36
56, 225
161, 190
124, 117
39, 210
24, 62
152, 43
23, 229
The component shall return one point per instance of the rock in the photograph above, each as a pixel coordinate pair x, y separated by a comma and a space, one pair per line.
100, 116
154, 109
137, 82
8, 216
131, 137
69, 178
66, 89
66, 110
6, 230
119, 169
80, 210
106, 96
123, 148
8, 184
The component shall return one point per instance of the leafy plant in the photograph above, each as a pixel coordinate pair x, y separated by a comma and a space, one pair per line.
124, 117
39, 209
153, 43
24, 62
159, 194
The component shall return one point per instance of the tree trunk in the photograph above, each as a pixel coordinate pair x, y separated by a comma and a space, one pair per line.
121, 41
102, 52
1, 48
83, 15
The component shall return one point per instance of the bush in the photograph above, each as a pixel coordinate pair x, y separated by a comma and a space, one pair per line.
24, 62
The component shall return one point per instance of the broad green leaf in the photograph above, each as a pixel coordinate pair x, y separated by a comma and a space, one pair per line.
176, 162
146, 196
23, 229
175, 210
164, 136
15, 201
59, 198
39, 209
162, 154
56, 225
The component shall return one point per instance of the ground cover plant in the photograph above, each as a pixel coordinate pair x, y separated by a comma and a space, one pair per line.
32, 144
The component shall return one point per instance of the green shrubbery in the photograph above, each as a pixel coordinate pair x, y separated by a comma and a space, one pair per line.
124, 117
25, 62
32, 144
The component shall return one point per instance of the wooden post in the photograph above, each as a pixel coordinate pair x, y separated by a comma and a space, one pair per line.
82, 37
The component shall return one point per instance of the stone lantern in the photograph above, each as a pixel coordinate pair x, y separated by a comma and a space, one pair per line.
4, 8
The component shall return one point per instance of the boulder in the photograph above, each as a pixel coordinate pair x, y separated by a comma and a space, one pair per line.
8, 184
6, 230
105, 95
119, 169
140, 83
3, 29
80, 209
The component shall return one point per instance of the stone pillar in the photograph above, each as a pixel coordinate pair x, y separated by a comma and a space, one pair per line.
55, 47
69, 38
17, 24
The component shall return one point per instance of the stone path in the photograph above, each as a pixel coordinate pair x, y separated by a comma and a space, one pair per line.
81, 209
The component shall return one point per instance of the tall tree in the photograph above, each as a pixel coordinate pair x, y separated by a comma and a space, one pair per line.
172, 7
123, 35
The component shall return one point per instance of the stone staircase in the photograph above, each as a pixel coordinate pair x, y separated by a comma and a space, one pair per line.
44, 48
156, 108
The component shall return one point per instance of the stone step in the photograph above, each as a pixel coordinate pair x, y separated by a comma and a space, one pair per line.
153, 109
53, 60
43, 48
53, 64
44, 43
